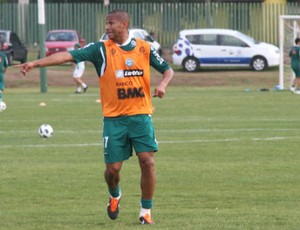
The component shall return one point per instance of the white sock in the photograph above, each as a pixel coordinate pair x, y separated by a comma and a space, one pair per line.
78, 89
145, 211
83, 85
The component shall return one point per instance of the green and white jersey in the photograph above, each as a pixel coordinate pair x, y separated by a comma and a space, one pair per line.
295, 56
96, 54
3, 62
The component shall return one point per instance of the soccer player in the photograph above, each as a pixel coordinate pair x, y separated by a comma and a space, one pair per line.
3, 66
77, 74
123, 66
295, 64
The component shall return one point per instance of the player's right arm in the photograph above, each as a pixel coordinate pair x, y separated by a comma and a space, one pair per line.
54, 59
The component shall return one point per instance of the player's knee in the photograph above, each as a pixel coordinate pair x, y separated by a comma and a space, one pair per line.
112, 169
147, 163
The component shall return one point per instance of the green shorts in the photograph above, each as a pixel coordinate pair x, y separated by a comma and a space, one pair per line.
296, 69
123, 134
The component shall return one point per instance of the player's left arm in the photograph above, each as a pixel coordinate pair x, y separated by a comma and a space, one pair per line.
158, 63
160, 90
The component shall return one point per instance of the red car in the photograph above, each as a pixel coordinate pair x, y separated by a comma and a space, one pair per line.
62, 40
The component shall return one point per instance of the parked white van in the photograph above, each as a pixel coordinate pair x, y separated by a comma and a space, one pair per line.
197, 48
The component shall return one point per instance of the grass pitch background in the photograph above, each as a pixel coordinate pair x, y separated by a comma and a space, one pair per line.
227, 159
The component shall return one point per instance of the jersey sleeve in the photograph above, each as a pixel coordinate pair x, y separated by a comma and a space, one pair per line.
157, 62
94, 53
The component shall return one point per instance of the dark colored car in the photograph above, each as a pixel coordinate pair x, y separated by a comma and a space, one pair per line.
13, 47
62, 40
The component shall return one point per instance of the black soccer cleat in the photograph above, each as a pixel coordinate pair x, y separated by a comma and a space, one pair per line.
85, 89
113, 208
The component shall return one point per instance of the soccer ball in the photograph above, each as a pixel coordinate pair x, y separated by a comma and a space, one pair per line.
2, 106
45, 131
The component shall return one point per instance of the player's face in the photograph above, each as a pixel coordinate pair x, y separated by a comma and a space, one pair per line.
115, 29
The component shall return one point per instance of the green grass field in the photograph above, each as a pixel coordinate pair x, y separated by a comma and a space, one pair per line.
227, 159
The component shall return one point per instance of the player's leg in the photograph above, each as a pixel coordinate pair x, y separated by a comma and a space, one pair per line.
84, 86
112, 178
77, 77
117, 149
145, 144
1, 85
297, 79
293, 85
148, 178
78, 85
298, 82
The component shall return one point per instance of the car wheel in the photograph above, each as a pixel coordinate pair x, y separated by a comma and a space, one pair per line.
259, 63
24, 59
191, 64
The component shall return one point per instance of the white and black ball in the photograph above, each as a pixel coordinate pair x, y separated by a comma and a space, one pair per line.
45, 131
2, 106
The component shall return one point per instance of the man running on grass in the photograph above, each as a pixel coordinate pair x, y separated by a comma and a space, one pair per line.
123, 66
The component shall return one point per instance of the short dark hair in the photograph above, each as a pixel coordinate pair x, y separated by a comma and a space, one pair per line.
297, 40
123, 15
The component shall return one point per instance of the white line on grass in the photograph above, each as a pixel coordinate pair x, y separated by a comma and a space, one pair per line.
51, 120
188, 119
224, 130
50, 145
160, 142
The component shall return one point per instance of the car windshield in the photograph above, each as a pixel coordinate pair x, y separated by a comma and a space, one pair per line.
3, 37
247, 38
61, 36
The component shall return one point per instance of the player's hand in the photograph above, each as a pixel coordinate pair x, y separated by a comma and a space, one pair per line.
159, 92
25, 67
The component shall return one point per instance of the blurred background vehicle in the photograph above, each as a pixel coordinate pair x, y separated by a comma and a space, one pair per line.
13, 47
196, 48
62, 40
141, 34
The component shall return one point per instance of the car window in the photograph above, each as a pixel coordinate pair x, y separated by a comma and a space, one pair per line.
138, 34
202, 39
3, 37
61, 36
228, 40
247, 38
194, 39
14, 39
